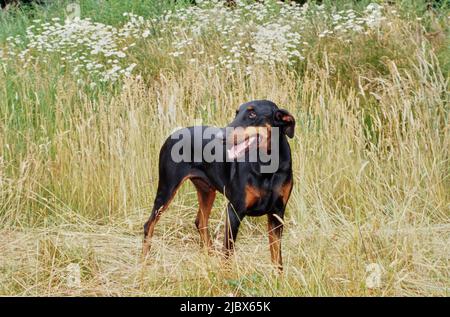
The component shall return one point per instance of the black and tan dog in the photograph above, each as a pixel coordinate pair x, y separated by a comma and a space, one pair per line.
249, 192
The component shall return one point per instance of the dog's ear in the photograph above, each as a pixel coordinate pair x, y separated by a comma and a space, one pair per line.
286, 121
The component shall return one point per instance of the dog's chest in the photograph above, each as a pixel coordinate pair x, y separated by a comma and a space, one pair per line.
267, 195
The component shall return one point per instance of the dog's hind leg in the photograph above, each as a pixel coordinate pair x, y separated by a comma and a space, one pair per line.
165, 193
206, 195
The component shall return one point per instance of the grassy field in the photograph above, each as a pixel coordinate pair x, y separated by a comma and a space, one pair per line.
85, 107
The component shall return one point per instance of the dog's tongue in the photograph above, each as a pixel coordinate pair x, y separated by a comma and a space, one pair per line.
238, 149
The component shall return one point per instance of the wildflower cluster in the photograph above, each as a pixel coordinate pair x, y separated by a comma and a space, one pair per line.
249, 34
261, 33
89, 47
209, 34
346, 22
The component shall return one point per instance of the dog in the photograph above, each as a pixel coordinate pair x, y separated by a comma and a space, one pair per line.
249, 191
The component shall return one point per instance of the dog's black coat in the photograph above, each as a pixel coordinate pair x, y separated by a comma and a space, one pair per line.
249, 192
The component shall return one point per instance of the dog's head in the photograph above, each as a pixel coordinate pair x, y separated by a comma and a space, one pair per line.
253, 124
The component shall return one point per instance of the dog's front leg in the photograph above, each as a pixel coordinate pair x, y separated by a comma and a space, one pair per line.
232, 223
275, 228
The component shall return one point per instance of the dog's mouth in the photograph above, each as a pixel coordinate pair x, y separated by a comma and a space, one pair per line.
239, 149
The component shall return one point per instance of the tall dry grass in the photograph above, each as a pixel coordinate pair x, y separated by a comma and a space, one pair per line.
78, 173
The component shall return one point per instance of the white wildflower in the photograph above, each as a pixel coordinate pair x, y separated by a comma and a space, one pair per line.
145, 34
84, 44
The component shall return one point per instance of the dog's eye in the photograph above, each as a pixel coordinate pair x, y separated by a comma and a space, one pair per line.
252, 114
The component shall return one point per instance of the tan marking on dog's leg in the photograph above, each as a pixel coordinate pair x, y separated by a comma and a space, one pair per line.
275, 229
206, 196
154, 219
